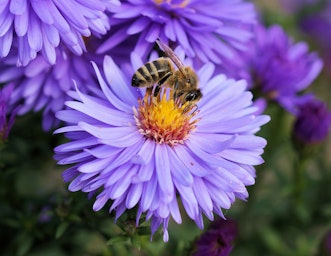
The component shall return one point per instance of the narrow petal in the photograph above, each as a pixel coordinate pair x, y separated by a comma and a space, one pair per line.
145, 153
180, 172
114, 136
134, 195
162, 168
191, 162
18, 7
148, 193
202, 194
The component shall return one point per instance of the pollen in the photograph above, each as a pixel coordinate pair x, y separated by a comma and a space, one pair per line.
164, 119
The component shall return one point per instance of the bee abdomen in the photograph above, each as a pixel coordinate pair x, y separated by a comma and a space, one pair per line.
150, 73
141, 77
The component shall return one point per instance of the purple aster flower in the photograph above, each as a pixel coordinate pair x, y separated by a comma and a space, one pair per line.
207, 30
312, 124
217, 240
139, 151
279, 67
40, 26
42, 86
315, 24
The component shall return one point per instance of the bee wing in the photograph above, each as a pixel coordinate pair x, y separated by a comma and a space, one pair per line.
170, 53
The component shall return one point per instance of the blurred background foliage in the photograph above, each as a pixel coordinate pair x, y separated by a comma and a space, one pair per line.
288, 211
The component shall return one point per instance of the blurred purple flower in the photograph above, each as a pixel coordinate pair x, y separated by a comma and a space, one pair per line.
325, 248
41, 26
313, 122
315, 24
45, 215
135, 151
279, 67
42, 86
207, 30
6, 118
217, 240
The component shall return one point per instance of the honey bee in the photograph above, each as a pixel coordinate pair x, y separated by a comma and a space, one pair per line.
161, 72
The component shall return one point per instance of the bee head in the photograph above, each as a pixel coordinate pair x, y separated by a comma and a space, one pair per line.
191, 78
192, 96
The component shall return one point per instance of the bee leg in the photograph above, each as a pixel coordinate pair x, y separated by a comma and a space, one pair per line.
194, 109
157, 90
175, 90
149, 91
161, 81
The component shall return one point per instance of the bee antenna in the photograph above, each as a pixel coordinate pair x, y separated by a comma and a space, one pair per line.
160, 44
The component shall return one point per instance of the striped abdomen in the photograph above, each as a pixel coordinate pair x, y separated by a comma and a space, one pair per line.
152, 72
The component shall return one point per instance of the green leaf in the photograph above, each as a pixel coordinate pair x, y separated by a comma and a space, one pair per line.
136, 242
61, 229
274, 241
117, 239
25, 243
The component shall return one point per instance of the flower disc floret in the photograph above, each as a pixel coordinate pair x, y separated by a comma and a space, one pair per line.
165, 120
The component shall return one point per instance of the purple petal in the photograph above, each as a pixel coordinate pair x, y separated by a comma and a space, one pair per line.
174, 210
163, 210
35, 38
5, 23
21, 23
180, 172
220, 198
203, 197
242, 156
95, 165
145, 173
72, 116
44, 9
132, 11
138, 26
76, 145
115, 174
52, 34
115, 101
189, 200
116, 136
212, 143
74, 158
148, 193
134, 195
116, 78
18, 7
122, 186
162, 168
124, 157
101, 200
6, 43
101, 113
103, 151
145, 154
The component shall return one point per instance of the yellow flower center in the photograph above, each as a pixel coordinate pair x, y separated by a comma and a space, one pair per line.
165, 120
174, 3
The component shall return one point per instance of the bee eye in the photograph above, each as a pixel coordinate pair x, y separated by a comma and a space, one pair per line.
190, 96
188, 81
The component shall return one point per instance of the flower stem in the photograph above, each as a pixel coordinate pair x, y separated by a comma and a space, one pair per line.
299, 184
